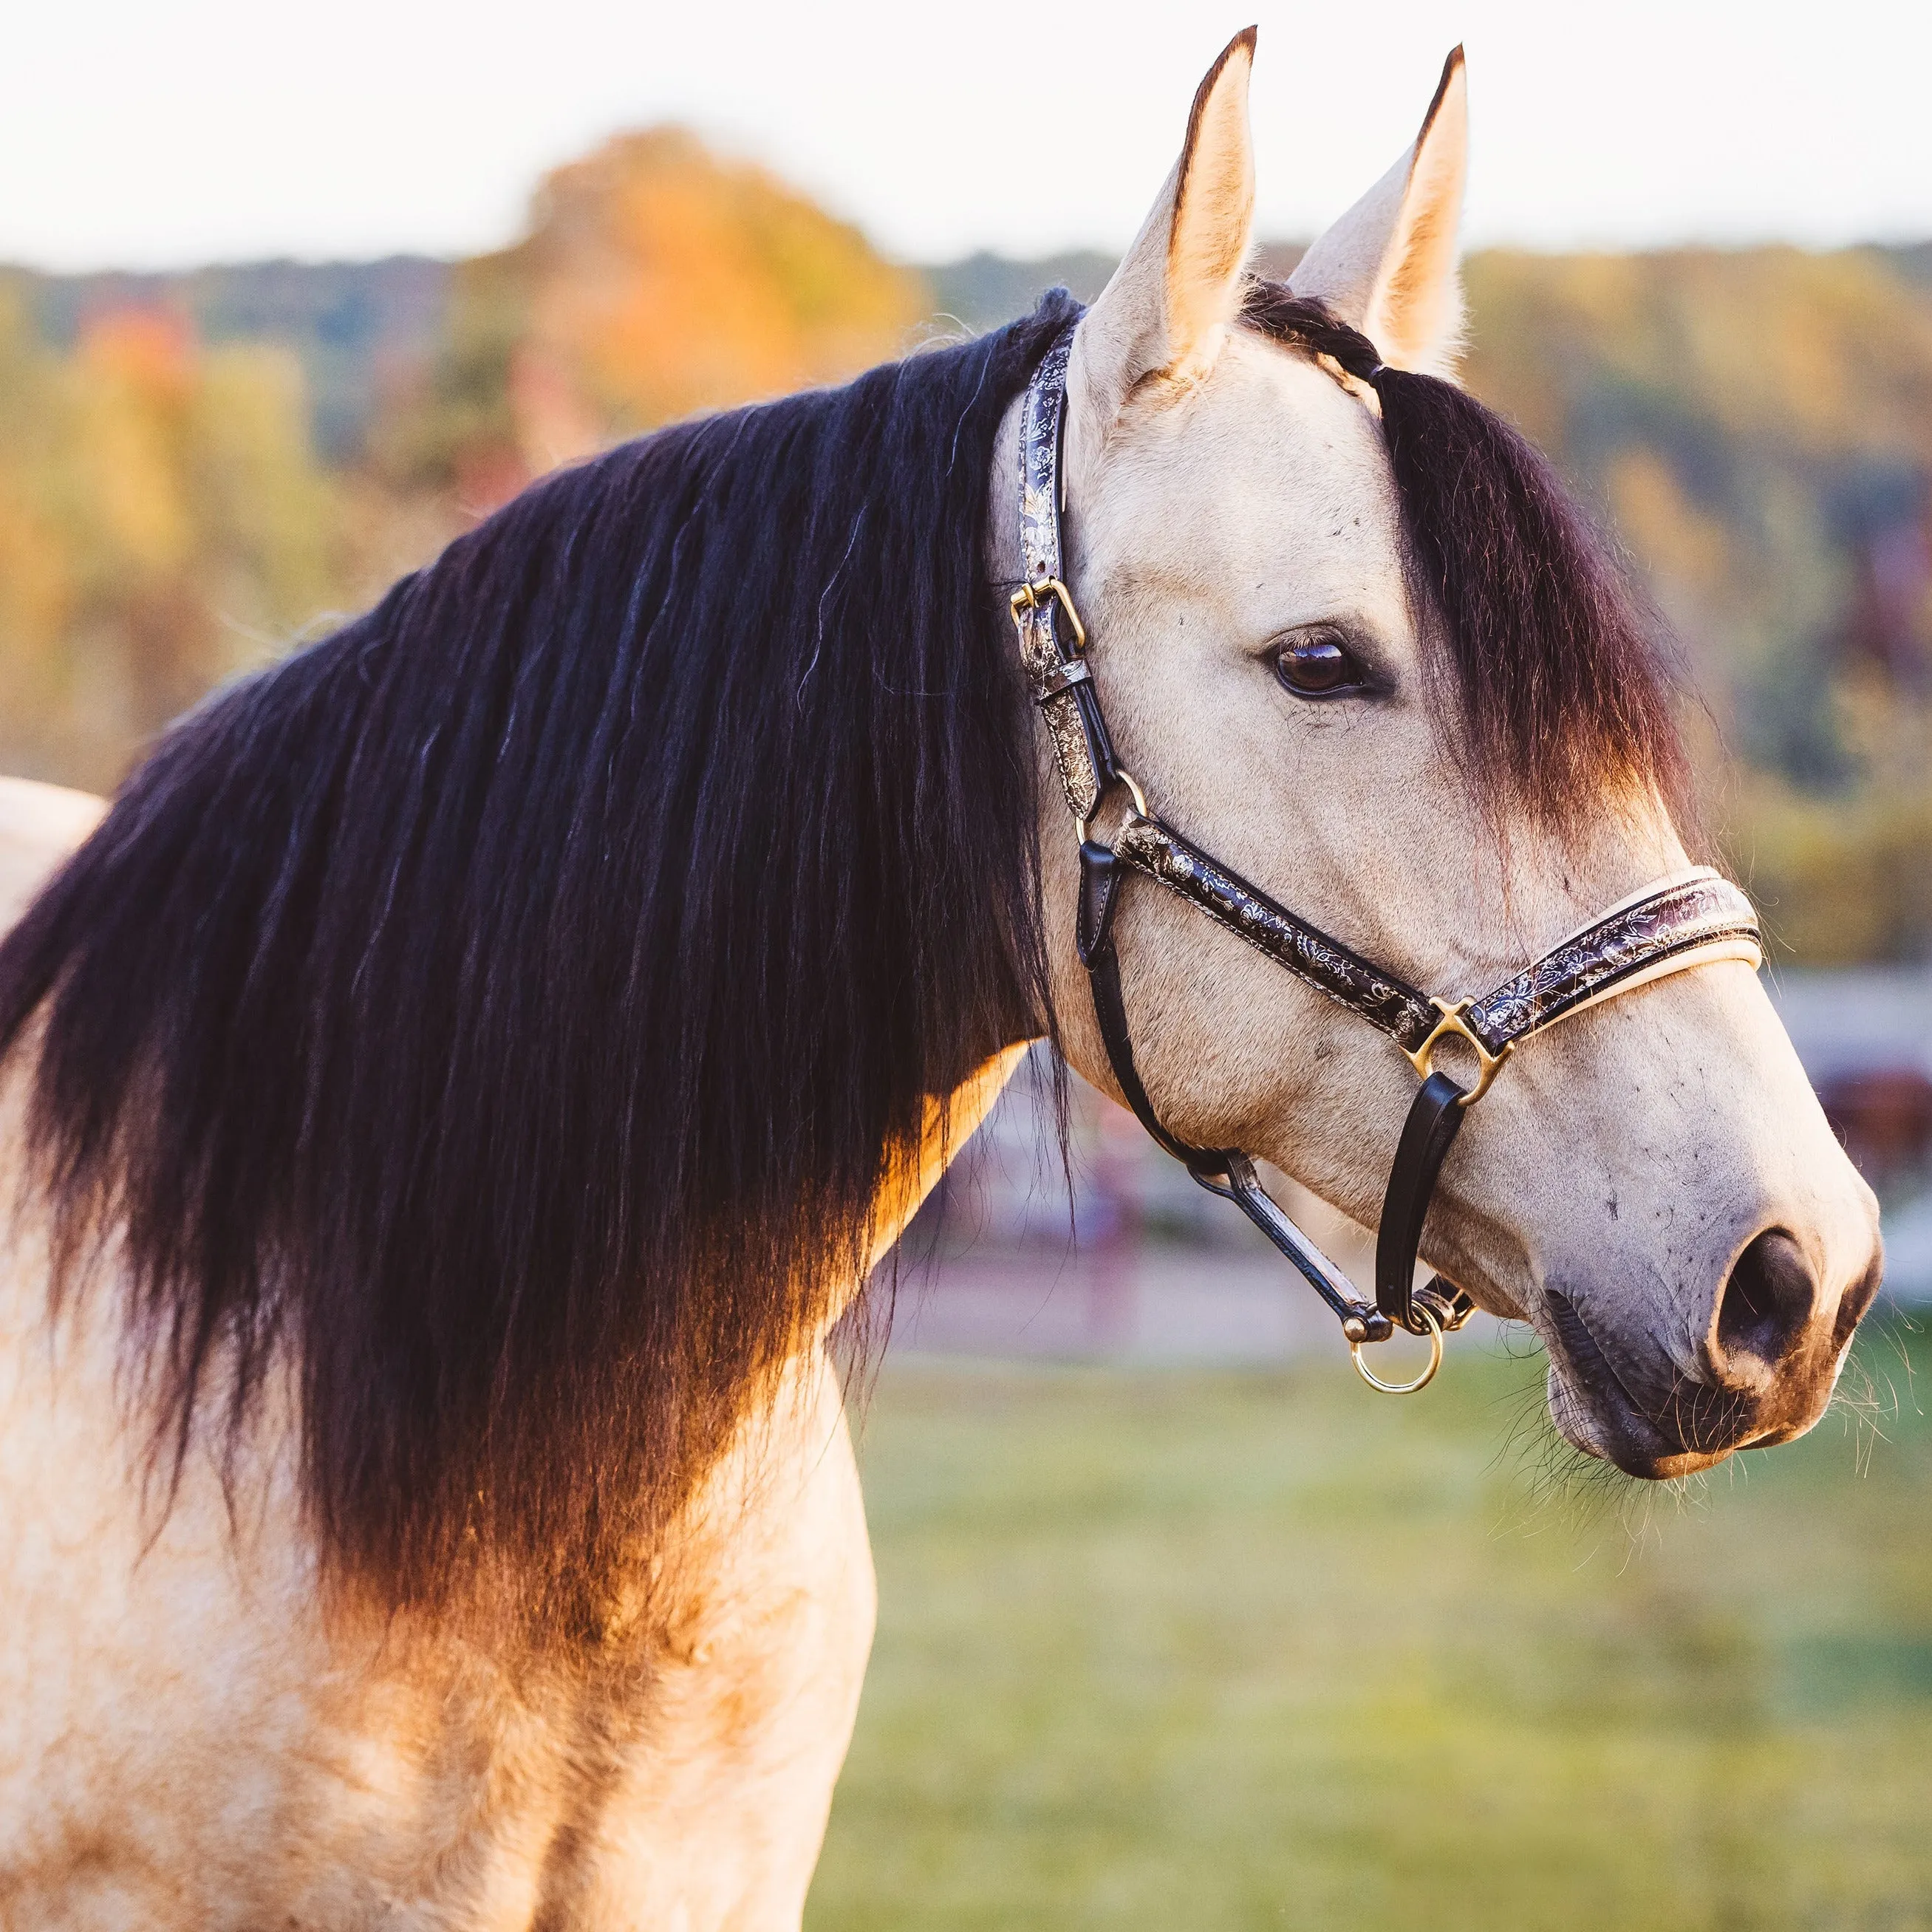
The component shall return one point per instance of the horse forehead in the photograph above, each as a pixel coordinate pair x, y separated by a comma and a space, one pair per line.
1269, 465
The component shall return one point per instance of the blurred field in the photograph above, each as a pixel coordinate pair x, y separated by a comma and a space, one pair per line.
1207, 1651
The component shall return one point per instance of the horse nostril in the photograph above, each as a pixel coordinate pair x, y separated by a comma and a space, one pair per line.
1855, 1300
1768, 1302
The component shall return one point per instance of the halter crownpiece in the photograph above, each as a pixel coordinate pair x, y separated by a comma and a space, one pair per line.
1689, 920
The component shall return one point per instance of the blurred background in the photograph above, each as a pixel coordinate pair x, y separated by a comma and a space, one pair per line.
1181, 1627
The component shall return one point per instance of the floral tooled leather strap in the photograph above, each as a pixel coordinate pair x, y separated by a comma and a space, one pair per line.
1701, 911
1704, 910
1052, 644
1305, 950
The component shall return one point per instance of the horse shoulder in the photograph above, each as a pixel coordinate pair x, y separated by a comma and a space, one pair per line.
722, 1761
188, 1737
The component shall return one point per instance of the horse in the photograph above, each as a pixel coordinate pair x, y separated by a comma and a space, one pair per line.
454, 1091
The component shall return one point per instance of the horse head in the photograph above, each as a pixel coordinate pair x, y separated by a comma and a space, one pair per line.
1428, 718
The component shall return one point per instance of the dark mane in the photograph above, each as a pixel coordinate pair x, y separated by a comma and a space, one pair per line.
1555, 668
507, 1004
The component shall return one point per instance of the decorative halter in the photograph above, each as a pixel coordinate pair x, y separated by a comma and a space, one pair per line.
1689, 919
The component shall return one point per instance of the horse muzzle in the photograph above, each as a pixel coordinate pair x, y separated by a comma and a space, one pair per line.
1776, 1341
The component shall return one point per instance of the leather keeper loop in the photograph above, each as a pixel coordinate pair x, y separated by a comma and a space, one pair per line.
1435, 1117
1064, 678
1099, 888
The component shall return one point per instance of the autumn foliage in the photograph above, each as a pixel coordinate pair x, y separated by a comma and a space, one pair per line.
165, 520
162, 523
1757, 425
656, 282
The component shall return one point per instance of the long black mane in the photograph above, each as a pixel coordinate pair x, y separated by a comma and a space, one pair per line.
504, 1009
509, 1002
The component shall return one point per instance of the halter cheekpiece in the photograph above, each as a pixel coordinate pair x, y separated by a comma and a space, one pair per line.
1685, 921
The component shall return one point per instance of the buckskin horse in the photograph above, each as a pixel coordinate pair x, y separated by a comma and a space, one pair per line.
454, 1090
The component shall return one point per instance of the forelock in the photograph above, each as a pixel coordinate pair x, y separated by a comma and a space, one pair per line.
1555, 671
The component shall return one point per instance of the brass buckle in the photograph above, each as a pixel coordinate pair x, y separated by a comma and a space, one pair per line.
1452, 1024
1453, 1310
1028, 597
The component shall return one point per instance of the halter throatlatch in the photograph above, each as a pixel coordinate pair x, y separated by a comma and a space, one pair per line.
1687, 920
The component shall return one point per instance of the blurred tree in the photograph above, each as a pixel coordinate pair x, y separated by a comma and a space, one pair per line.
38, 591
657, 281
163, 524
1758, 426
164, 521
664, 282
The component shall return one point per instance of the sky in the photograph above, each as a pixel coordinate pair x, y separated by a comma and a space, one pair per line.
158, 135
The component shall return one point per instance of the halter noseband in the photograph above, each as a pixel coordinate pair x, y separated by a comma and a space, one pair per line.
1688, 920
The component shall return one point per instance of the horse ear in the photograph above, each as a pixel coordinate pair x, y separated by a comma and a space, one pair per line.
1389, 266
1178, 288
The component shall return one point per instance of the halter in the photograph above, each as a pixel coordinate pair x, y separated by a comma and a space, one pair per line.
1689, 920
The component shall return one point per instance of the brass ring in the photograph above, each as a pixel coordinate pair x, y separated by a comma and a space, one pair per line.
1123, 776
1422, 1382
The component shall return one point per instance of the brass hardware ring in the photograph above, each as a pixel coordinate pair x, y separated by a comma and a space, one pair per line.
1028, 596
1453, 1024
1121, 776
1422, 1382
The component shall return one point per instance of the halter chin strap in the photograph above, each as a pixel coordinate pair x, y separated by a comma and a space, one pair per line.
1687, 920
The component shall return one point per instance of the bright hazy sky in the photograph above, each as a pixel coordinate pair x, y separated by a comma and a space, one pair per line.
158, 134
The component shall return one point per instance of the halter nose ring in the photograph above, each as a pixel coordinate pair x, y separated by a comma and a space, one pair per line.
1428, 1376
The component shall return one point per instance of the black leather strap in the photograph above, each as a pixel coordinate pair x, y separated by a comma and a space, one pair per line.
1435, 1118
1240, 1184
1099, 885
1226, 1172
1099, 891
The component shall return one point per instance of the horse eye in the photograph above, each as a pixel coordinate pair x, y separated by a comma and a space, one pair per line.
1318, 667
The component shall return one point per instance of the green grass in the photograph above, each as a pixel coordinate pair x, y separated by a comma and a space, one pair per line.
1198, 1651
